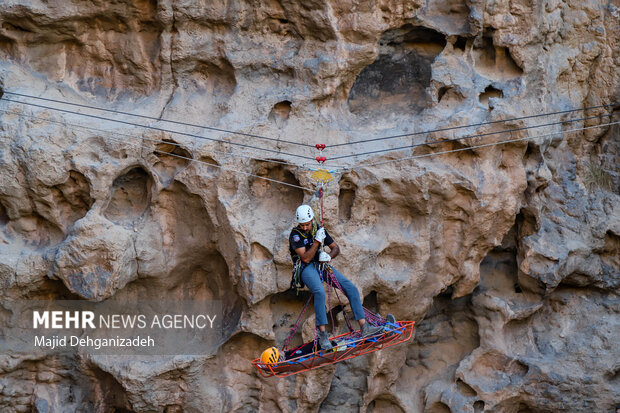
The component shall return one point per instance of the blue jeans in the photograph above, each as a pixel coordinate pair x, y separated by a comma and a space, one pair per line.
310, 277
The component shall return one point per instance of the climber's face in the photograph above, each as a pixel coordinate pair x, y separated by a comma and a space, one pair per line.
306, 226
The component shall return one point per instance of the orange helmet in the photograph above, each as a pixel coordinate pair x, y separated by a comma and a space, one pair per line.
270, 356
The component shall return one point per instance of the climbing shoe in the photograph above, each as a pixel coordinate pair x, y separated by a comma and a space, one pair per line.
324, 341
390, 319
368, 330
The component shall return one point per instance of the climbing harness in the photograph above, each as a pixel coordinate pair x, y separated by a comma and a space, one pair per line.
296, 282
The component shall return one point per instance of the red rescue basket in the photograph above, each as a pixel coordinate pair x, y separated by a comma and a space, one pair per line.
351, 345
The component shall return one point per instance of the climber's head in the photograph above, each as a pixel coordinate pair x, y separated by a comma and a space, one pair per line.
304, 217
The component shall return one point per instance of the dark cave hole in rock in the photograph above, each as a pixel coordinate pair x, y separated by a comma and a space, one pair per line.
490, 92
371, 301
398, 78
446, 292
500, 269
524, 408
478, 406
526, 224
280, 111
494, 62
442, 91
4, 218
613, 374
439, 407
449, 96
207, 162
346, 198
52, 290
172, 159
485, 45
382, 404
530, 150
113, 394
15, 27
611, 252
215, 77
460, 43
8, 47
465, 389
131, 195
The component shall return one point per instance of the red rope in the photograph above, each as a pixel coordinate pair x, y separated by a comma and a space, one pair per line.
321, 203
331, 311
294, 329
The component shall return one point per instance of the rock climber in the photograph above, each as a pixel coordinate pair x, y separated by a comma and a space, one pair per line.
305, 246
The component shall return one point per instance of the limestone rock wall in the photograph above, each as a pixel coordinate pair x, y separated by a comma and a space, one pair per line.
506, 256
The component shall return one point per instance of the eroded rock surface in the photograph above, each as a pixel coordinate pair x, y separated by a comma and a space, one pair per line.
506, 256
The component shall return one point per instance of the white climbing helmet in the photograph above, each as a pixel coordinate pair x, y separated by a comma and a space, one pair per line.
304, 214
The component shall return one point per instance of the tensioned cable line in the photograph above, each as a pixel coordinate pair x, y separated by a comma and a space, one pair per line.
474, 124
375, 163
479, 146
250, 135
156, 128
63, 123
471, 136
192, 159
307, 145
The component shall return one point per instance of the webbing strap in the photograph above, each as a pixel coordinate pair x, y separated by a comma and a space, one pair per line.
294, 329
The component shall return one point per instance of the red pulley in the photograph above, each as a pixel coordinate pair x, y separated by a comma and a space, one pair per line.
321, 159
320, 146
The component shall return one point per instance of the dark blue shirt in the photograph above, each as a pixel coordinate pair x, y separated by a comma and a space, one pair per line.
299, 239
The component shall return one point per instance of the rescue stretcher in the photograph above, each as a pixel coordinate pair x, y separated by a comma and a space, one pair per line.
348, 345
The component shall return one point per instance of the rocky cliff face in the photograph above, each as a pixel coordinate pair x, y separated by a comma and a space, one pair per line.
506, 256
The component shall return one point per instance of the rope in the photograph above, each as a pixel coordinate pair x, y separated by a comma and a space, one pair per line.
157, 129
373, 318
296, 326
316, 339
292, 142
250, 135
331, 311
470, 137
482, 146
63, 123
474, 124
202, 162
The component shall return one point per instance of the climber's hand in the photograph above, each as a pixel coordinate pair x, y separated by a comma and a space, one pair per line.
324, 257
